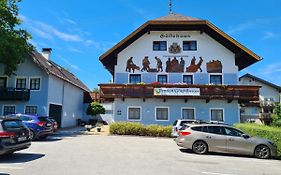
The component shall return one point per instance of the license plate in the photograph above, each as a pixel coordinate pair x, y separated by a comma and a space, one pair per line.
21, 139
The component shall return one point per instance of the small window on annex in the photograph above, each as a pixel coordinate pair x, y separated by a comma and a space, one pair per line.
135, 78
217, 115
189, 45
162, 113
162, 79
31, 110
188, 79
188, 113
134, 113
9, 110
159, 45
215, 79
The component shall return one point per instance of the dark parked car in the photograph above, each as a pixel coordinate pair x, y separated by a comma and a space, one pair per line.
14, 135
40, 127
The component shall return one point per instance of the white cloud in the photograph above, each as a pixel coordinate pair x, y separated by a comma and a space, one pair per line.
270, 35
73, 66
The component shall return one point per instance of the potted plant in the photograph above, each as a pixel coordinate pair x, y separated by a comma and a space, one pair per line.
95, 109
98, 126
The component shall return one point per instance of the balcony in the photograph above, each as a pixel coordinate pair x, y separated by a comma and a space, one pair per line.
12, 94
208, 92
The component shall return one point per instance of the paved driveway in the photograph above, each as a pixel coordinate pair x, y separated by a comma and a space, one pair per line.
71, 154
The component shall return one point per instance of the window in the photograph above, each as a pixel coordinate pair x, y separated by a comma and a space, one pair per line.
25, 118
31, 109
217, 115
162, 113
9, 110
35, 84
162, 79
188, 79
3, 82
197, 128
159, 45
214, 129
188, 114
189, 45
232, 132
21, 83
134, 113
215, 79
135, 78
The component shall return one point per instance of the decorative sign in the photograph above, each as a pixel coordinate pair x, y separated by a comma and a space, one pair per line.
174, 35
177, 91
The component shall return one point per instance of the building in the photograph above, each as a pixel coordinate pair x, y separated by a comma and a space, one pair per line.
40, 86
177, 67
264, 107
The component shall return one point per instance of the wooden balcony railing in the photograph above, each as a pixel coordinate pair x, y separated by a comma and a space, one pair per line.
208, 92
12, 94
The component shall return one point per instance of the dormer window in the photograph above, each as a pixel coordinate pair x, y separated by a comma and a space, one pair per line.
159, 45
189, 45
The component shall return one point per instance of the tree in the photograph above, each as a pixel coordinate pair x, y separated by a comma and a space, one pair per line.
277, 115
14, 46
95, 108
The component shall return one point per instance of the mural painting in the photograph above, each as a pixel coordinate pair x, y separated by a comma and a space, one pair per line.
214, 66
145, 64
131, 65
159, 64
193, 67
174, 65
175, 48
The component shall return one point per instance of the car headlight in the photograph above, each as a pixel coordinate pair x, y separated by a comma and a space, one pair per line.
272, 143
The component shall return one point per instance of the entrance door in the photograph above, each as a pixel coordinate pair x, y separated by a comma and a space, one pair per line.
3, 82
55, 111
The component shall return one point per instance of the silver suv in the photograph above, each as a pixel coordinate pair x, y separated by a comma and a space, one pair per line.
203, 138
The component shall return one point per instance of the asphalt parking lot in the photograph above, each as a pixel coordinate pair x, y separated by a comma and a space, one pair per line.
72, 154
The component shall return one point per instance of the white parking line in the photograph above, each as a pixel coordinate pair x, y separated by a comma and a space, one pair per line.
210, 173
11, 167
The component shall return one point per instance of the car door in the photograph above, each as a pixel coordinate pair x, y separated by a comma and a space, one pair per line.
236, 143
215, 139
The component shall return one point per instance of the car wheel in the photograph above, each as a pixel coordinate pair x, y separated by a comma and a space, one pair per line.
32, 135
200, 147
262, 152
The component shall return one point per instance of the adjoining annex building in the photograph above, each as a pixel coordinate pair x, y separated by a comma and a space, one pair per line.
177, 67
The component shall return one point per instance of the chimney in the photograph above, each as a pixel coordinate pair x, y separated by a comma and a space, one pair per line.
46, 52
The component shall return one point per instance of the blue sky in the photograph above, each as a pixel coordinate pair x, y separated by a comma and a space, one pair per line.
80, 31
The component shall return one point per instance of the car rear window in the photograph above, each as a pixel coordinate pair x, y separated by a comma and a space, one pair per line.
184, 127
43, 119
175, 123
12, 124
197, 128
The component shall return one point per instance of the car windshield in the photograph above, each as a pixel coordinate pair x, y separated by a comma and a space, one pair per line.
12, 124
184, 127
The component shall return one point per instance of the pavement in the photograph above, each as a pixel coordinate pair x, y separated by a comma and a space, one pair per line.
75, 151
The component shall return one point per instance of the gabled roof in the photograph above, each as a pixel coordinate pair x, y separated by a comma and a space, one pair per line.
174, 22
54, 69
261, 80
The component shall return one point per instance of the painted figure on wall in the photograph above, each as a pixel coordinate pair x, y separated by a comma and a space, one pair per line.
193, 67
159, 64
145, 64
182, 64
168, 65
214, 66
131, 65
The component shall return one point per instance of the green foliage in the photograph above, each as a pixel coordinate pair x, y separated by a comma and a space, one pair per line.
137, 129
267, 132
95, 108
14, 46
277, 115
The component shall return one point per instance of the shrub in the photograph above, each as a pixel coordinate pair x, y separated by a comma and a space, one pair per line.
137, 129
267, 132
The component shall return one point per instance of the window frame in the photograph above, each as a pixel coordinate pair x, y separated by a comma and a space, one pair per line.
162, 75
7, 80
210, 114
159, 49
189, 48
3, 109
194, 112
129, 113
40, 82
31, 106
166, 107
16, 82
129, 78
192, 78
216, 74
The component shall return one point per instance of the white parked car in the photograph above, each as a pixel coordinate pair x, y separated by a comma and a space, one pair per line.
178, 124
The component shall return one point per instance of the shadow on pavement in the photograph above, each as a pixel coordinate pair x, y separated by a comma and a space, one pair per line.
20, 157
224, 154
4, 174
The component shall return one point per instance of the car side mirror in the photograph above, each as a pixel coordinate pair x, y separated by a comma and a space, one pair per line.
245, 136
